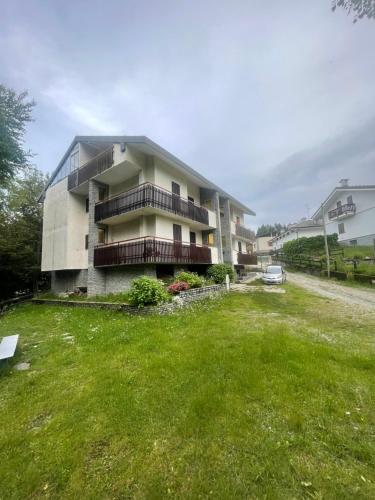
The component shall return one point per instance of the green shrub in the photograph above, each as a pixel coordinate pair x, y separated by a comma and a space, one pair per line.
192, 279
146, 291
217, 272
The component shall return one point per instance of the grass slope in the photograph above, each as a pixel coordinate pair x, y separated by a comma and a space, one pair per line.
263, 395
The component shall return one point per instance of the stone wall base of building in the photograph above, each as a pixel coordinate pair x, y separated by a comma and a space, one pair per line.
68, 280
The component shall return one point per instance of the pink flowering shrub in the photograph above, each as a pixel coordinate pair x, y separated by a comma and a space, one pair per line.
177, 287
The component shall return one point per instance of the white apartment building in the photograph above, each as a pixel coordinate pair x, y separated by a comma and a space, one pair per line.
349, 211
306, 228
119, 207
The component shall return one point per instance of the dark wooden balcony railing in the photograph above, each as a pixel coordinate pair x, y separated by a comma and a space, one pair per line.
347, 209
246, 259
243, 232
150, 250
94, 167
149, 195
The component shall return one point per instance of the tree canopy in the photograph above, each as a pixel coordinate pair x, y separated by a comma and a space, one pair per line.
270, 230
15, 113
20, 232
359, 8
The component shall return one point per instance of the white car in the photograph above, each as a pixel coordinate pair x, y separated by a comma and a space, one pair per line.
274, 275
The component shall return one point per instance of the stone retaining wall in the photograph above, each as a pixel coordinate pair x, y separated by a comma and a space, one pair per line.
181, 300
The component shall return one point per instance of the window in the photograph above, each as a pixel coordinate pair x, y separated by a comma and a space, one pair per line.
177, 232
193, 238
101, 236
191, 199
210, 239
86, 241
102, 193
349, 200
353, 243
87, 205
74, 161
338, 204
175, 188
341, 228
238, 220
240, 246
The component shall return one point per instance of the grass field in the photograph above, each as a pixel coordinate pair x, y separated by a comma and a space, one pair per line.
259, 396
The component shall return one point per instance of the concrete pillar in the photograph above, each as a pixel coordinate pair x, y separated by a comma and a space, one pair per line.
95, 276
218, 233
226, 232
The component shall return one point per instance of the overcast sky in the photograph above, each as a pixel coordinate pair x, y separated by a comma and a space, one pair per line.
274, 101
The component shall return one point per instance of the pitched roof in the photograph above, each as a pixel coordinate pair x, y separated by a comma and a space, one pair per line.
146, 144
339, 189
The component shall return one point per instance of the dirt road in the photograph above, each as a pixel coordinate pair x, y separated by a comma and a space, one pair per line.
365, 298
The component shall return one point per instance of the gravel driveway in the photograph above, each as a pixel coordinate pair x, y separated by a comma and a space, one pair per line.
353, 296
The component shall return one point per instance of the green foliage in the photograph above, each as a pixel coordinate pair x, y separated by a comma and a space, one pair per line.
192, 279
15, 112
269, 229
309, 246
217, 272
147, 291
358, 8
20, 232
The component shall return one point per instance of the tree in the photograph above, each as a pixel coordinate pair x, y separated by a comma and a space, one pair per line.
20, 232
15, 113
269, 229
359, 8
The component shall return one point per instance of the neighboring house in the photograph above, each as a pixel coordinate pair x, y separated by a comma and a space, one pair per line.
119, 207
263, 250
349, 211
306, 228
263, 245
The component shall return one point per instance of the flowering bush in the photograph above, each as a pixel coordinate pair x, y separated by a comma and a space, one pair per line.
192, 279
178, 287
146, 291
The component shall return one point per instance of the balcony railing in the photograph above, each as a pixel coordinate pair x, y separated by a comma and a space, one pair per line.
246, 259
93, 167
149, 195
348, 209
150, 250
243, 232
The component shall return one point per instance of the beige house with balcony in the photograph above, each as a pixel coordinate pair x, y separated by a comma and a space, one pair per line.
119, 207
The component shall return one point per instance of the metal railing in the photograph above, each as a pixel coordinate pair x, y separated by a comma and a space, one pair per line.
150, 250
93, 167
149, 195
243, 232
349, 208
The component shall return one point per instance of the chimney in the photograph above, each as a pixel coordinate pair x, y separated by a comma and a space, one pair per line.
344, 183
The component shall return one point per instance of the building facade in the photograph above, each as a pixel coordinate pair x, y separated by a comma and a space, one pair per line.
306, 228
349, 211
119, 207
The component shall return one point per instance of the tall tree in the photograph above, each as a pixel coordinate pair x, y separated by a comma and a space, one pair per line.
359, 8
20, 232
269, 229
15, 113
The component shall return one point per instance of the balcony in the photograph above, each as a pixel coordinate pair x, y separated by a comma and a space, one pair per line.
92, 168
246, 259
148, 195
342, 212
243, 232
150, 250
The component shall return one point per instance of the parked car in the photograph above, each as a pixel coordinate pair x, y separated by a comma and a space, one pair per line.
274, 275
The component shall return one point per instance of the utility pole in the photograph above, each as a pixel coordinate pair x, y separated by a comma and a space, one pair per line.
326, 245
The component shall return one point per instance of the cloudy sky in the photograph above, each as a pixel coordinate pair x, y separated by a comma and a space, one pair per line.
274, 101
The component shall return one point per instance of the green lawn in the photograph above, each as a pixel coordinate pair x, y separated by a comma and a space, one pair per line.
260, 396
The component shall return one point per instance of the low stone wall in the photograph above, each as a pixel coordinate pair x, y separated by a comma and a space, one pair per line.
179, 301
4, 305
